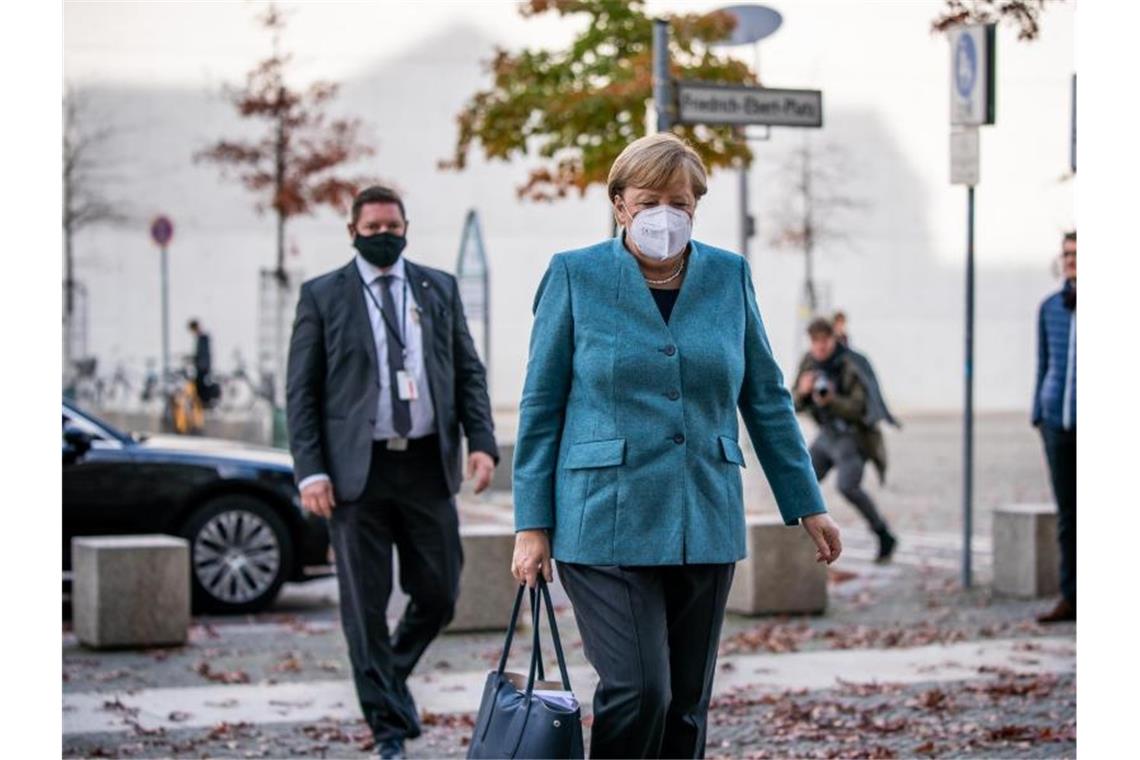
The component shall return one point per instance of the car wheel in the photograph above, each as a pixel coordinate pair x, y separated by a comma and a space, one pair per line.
240, 554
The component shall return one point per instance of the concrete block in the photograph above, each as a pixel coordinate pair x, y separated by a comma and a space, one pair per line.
130, 591
486, 588
1026, 554
501, 480
780, 574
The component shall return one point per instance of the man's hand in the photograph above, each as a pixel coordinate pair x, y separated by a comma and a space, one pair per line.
825, 533
318, 498
481, 467
821, 399
532, 555
805, 383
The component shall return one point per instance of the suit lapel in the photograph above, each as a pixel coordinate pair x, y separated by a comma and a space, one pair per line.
353, 289
428, 301
634, 290
426, 298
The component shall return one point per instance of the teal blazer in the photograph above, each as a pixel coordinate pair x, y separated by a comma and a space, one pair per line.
627, 446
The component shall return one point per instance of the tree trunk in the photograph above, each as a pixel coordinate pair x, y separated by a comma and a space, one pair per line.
280, 184
68, 298
280, 272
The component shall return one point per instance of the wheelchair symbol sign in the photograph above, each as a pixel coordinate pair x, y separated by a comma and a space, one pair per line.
965, 65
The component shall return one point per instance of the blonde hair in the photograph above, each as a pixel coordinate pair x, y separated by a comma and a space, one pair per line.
653, 162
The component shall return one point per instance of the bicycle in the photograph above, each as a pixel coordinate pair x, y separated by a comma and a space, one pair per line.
240, 393
85, 385
183, 412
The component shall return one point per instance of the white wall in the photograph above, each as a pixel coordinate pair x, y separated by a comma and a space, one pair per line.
884, 79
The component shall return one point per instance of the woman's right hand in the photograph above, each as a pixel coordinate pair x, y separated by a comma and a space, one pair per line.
532, 556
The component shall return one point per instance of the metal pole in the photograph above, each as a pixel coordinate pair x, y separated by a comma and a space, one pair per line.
747, 225
968, 423
1073, 126
745, 220
661, 73
487, 323
165, 320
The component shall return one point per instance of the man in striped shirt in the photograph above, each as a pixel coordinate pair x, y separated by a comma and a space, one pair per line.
1055, 416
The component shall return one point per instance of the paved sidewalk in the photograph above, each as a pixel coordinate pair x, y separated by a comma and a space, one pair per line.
204, 706
904, 664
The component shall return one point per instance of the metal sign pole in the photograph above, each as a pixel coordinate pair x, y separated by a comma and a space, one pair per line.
165, 318
745, 220
972, 104
661, 73
968, 422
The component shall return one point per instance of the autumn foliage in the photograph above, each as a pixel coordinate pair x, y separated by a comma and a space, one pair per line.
574, 110
1024, 14
291, 167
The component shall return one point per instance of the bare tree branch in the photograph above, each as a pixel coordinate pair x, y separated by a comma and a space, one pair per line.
1024, 14
817, 210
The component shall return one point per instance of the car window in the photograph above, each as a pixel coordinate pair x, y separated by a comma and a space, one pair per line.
96, 433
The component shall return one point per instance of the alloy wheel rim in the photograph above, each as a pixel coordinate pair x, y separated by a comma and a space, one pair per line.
236, 556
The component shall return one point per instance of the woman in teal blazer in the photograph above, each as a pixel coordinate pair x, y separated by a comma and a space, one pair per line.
628, 459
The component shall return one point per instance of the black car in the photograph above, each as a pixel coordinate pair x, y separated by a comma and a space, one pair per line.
235, 503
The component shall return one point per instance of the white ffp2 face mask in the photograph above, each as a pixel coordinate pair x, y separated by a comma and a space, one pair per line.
661, 232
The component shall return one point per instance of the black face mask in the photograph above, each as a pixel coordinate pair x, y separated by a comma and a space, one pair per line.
382, 249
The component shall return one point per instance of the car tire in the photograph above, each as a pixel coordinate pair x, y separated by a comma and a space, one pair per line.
241, 552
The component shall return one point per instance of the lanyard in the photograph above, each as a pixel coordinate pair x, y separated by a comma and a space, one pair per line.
401, 337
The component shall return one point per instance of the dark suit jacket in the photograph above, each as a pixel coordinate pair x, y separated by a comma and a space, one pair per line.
333, 378
202, 355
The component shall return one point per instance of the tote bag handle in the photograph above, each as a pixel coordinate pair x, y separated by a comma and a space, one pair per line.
536, 654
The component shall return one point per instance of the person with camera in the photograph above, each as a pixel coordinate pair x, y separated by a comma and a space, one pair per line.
831, 387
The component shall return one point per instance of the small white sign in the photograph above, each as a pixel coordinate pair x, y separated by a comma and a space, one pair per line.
964, 155
970, 64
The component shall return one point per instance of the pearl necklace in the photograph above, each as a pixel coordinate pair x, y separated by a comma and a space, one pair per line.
670, 278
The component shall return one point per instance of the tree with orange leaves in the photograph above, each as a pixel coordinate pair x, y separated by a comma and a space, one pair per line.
291, 168
576, 109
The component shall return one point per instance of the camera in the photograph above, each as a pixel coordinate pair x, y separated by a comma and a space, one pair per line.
822, 385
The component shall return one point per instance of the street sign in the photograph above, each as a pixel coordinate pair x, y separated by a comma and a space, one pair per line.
964, 155
972, 52
753, 23
161, 230
705, 103
473, 273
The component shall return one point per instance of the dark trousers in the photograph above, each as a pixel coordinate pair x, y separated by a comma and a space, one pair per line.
1061, 454
841, 451
652, 635
405, 504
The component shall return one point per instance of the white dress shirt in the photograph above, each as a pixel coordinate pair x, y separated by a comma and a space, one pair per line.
403, 297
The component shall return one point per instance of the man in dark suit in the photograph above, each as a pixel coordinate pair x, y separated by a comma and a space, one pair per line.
382, 373
202, 362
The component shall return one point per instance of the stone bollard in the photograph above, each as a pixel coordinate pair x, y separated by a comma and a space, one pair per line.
486, 588
501, 480
1026, 555
780, 574
130, 591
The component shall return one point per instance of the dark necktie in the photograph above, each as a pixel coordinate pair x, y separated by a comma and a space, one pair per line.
401, 409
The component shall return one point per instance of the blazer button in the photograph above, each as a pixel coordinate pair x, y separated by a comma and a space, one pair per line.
678, 438
674, 395
670, 349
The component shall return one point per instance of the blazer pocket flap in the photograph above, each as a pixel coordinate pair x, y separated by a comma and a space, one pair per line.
731, 450
605, 453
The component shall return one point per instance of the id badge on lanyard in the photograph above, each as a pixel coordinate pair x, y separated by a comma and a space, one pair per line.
406, 389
